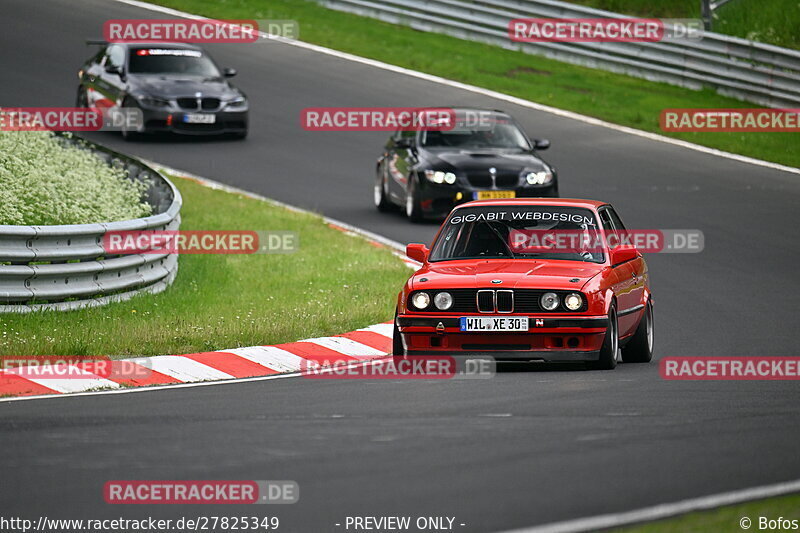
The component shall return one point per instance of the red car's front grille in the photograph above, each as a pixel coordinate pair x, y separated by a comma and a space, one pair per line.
485, 301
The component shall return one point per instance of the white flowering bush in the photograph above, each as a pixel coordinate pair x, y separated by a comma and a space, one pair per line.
43, 182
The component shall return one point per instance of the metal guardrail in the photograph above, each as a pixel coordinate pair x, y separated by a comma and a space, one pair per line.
66, 267
764, 74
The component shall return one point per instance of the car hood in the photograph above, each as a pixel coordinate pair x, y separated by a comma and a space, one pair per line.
481, 159
174, 87
513, 273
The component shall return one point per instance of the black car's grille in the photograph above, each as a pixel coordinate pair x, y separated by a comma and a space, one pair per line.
504, 179
195, 104
209, 103
483, 300
479, 179
188, 103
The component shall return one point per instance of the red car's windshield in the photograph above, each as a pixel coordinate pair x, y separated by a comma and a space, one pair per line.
519, 232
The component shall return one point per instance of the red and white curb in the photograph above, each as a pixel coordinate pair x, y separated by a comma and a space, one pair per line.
373, 342
253, 362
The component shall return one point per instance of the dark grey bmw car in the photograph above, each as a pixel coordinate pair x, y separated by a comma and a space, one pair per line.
427, 173
177, 87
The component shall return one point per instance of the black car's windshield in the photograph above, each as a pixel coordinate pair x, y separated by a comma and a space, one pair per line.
499, 134
171, 61
520, 232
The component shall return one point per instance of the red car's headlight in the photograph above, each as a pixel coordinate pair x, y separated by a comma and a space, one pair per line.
421, 300
573, 301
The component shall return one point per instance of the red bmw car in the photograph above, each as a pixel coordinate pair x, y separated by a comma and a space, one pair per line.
483, 290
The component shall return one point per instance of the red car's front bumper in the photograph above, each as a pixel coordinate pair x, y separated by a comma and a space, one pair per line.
549, 338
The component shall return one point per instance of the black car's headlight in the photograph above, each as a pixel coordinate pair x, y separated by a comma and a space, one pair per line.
238, 102
153, 102
538, 177
438, 176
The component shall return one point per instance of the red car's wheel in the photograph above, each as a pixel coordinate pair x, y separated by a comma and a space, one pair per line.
608, 352
640, 348
397, 342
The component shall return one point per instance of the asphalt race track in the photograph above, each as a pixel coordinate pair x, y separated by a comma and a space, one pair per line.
524, 448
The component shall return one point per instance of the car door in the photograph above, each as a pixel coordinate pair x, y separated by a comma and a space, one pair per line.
110, 82
89, 75
624, 281
400, 163
638, 274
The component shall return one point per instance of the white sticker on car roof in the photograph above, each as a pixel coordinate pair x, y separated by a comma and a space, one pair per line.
551, 216
168, 52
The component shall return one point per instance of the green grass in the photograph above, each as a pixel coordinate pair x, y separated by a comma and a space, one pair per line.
767, 21
725, 519
334, 283
615, 98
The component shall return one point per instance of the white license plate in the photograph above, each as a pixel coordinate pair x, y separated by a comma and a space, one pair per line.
199, 118
494, 323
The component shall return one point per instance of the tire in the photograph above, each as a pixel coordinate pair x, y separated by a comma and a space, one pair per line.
398, 352
241, 135
413, 209
608, 352
640, 348
379, 196
81, 99
127, 134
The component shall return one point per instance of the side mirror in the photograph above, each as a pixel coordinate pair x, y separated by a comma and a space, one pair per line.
623, 254
229, 72
541, 144
404, 142
114, 69
417, 252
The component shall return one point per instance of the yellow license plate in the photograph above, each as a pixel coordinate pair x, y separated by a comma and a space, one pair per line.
491, 195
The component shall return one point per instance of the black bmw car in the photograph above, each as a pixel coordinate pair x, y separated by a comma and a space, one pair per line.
177, 87
429, 172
